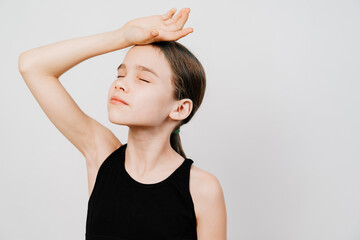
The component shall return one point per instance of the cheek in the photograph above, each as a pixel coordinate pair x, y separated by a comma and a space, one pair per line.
154, 106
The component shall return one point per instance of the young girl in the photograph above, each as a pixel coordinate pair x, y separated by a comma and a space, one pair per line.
146, 188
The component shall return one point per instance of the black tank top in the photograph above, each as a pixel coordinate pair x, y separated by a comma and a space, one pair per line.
121, 208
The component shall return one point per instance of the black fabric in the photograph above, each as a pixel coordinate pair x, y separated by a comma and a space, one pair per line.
120, 208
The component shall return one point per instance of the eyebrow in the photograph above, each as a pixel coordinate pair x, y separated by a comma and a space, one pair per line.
139, 67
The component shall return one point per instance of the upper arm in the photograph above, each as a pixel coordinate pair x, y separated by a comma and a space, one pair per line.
92, 139
211, 210
80, 129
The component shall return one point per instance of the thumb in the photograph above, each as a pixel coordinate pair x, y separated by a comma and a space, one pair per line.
154, 33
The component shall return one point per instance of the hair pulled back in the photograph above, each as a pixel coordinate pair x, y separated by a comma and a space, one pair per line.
188, 80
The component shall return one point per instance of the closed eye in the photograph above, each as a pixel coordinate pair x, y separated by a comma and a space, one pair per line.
144, 80
139, 78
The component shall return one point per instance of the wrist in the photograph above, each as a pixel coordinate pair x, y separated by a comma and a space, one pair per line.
119, 39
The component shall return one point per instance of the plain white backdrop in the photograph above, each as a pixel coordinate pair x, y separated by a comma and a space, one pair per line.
279, 124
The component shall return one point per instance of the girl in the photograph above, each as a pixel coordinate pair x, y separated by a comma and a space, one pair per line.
146, 188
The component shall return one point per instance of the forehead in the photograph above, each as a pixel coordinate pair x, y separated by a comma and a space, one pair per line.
149, 57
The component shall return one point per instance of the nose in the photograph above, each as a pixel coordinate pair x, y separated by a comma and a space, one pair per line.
119, 85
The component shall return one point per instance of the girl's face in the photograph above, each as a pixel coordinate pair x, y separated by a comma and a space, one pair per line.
144, 82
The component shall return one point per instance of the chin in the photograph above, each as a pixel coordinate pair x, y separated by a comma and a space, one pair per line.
116, 119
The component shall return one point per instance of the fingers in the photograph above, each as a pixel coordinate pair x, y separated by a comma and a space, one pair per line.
172, 30
169, 14
181, 22
173, 36
180, 18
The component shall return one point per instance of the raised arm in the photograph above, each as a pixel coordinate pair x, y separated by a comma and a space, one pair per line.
55, 59
41, 68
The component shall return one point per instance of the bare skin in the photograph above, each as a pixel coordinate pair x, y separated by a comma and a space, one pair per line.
151, 113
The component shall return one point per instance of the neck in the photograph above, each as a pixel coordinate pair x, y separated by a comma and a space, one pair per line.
149, 150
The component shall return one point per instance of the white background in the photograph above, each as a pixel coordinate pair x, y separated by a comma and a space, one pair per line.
279, 124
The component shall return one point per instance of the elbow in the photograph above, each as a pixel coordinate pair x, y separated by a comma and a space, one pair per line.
23, 63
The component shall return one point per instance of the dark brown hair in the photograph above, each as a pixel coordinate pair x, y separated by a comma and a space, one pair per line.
188, 79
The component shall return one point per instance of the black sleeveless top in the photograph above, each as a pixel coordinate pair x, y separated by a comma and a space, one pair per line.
121, 208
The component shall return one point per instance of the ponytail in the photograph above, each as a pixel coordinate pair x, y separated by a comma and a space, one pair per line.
175, 142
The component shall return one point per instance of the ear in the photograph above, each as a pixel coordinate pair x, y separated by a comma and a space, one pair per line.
182, 109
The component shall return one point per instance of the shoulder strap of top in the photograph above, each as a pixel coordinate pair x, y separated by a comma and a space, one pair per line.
182, 181
110, 164
183, 174
105, 168
187, 168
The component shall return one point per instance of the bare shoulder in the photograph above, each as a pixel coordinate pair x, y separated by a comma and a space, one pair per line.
209, 204
203, 179
204, 184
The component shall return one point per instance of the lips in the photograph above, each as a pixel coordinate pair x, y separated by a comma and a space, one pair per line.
115, 98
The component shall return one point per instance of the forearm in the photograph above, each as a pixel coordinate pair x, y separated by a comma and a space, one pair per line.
55, 59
